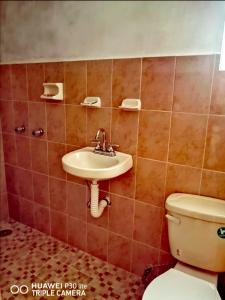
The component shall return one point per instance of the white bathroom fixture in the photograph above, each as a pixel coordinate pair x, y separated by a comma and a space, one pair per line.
131, 104
92, 102
53, 91
196, 227
86, 164
92, 166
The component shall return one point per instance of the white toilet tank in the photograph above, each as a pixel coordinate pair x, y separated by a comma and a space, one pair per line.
196, 227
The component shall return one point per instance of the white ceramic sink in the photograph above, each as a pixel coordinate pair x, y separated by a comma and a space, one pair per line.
89, 165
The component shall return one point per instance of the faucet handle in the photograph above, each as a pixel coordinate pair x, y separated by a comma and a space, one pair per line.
97, 142
111, 147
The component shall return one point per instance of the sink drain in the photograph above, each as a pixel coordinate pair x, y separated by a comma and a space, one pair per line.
5, 232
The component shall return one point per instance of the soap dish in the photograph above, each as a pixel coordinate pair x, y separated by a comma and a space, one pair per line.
53, 91
92, 102
131, 104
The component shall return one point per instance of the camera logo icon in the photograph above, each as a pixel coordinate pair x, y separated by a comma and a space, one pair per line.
19, 289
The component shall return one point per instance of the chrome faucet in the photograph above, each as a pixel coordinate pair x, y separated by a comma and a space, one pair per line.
101, 137
102, 146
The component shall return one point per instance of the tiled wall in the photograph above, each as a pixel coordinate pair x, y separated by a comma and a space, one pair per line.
177, 141
3, 189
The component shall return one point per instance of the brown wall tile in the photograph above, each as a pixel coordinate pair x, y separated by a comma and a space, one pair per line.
54, 72
150, 181
42, 218
11, 174
35, 73
23, 152
182, 179
4, 213
76, 197
39, 156
213, 184
25, 183
59, 225
75, 82
9, 148
14, 207
7, 120
99, 80
143, 256
124, 130
97, 241
41, 190
98, 118
19, 82
148, 224
77, 233
193, 83
154, 134
57, 191
75, 125
164, 238
215, 144
218, 91
21, 115
55, 153
121, 215
56, 122
126, 79
165, 258
187, 139
119, 251
37, 118
124, 185
5, 82
157, 83
26, 212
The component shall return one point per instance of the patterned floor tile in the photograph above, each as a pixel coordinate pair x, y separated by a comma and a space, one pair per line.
28, 256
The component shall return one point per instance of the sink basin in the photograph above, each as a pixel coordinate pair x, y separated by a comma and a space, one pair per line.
89, 165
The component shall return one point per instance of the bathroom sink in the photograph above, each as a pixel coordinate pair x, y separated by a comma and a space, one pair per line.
89, 165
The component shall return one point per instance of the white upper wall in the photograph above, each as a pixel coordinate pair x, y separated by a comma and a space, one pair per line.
74, 30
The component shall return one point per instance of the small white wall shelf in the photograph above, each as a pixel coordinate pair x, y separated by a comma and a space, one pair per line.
53, 91
131, 104
92, 102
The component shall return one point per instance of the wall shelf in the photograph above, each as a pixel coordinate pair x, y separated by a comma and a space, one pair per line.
53, 91
91, 102
131, 104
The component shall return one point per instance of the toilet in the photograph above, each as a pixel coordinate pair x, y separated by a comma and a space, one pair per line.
196, 229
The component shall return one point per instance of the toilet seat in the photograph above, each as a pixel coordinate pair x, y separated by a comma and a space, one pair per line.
177, 285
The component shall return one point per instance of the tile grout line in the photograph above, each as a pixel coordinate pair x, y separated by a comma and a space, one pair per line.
49, 215
65, 150
135, 175
110, 140
111, 111
207, 123
29, 141
167, 157
116, 108
86, 185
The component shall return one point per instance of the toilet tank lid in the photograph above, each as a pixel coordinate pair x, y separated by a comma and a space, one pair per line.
198, 207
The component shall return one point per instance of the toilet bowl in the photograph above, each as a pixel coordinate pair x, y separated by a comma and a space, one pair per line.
196, 230
177, 285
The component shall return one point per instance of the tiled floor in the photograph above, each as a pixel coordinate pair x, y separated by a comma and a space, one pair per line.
28, 256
